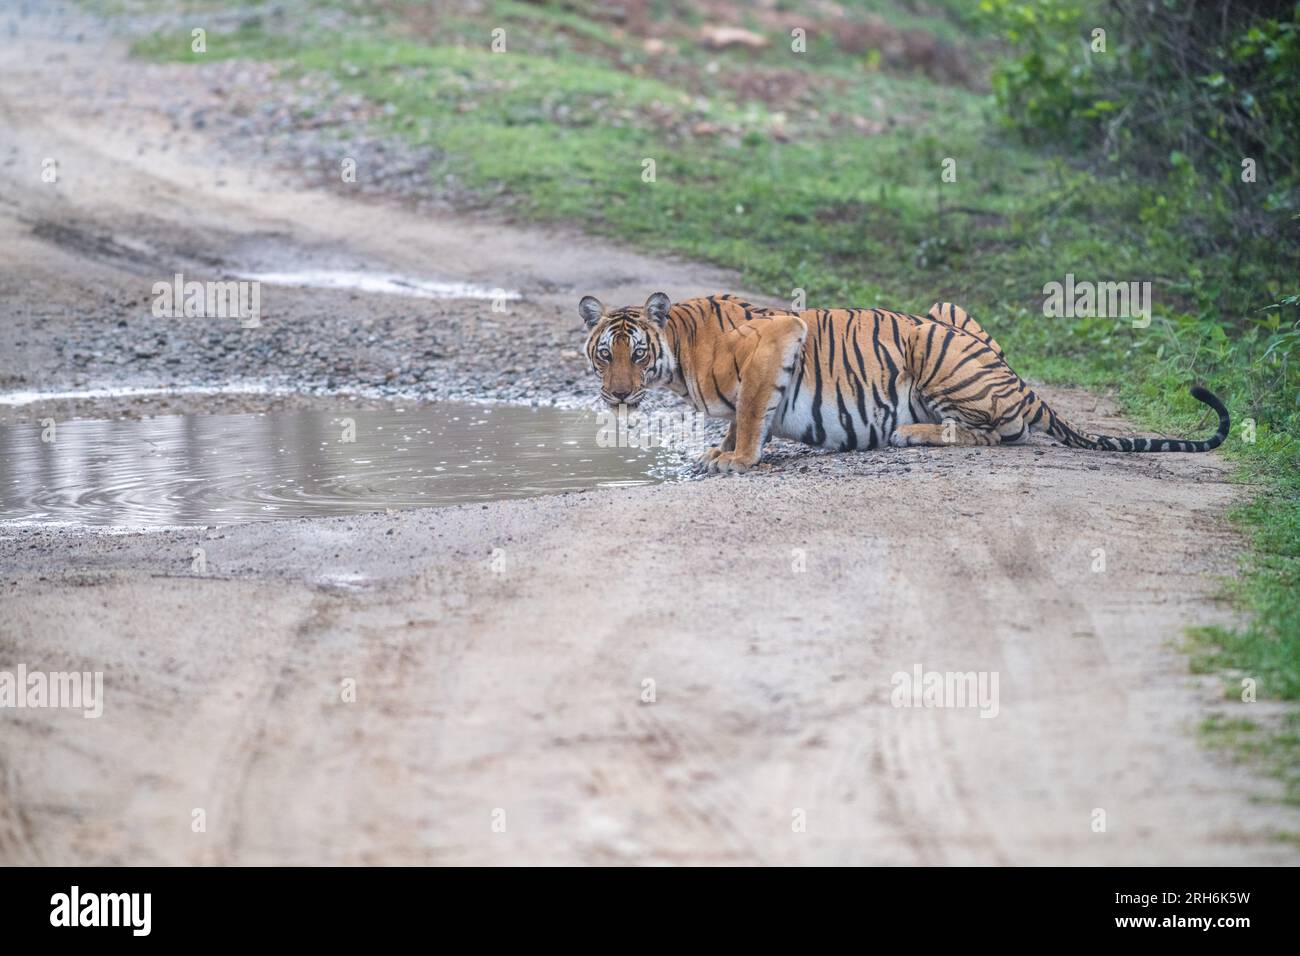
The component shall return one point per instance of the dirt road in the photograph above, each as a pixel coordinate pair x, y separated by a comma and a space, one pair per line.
501, 654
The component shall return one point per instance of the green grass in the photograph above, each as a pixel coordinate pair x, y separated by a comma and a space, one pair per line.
1268, 646
828, 181
1277, 750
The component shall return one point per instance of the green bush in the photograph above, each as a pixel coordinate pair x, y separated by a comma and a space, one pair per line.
1208, 84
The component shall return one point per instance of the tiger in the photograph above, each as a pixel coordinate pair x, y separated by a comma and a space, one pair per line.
840, 379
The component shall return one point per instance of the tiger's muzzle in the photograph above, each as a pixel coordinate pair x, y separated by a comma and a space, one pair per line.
615, 398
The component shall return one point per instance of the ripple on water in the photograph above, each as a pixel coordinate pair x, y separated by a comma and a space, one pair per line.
195, 470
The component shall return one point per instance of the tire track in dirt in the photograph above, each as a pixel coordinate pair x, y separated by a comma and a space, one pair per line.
17, 846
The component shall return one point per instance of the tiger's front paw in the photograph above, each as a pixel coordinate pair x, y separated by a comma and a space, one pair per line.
702, 463
728, 463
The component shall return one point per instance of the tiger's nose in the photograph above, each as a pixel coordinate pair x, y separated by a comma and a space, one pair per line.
620, 393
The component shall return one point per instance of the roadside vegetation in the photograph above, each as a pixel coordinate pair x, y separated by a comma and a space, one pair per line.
1165, 153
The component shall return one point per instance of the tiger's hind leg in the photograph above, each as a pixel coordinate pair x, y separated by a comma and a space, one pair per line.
966, 390
947, 432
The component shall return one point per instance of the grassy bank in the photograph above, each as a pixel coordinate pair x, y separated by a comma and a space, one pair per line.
822, 170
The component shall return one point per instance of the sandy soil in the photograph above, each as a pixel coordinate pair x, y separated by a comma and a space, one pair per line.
500, 652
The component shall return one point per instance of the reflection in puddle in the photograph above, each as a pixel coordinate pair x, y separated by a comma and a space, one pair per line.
143, 391
218, 469
379, 282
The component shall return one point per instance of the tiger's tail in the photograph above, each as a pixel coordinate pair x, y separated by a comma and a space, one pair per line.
1070, 436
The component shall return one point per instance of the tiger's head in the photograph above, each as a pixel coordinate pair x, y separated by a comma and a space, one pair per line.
627, 347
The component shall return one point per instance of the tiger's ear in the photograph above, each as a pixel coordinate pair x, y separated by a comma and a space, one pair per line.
590, 309
657, 308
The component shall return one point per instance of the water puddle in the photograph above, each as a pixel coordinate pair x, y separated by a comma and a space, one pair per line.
381, 283
195, 470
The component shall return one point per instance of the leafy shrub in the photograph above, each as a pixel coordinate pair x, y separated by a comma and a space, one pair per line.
1205, 83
